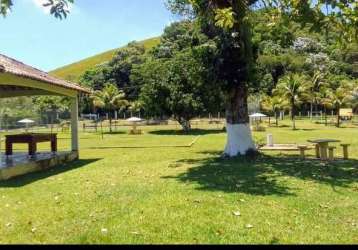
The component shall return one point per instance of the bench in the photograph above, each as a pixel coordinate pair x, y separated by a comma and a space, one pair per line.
345, 151
215, 122
303, 149
331, 153
288, 147
65, 126
135, 132
95, 127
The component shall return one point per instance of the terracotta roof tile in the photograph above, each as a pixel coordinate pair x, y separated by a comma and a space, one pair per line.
12, 66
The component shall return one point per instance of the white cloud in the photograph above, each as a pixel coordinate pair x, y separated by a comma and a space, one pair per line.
40, 3
46, 10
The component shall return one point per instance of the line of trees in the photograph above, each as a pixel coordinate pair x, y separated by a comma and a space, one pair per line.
178, 78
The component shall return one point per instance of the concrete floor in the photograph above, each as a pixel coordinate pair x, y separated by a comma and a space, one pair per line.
20, 163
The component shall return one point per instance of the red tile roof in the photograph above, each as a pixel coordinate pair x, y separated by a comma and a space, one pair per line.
12, 66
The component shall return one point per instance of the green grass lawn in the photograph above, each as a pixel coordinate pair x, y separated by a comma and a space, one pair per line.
149, 189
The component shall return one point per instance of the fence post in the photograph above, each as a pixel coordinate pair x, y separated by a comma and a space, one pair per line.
101, 129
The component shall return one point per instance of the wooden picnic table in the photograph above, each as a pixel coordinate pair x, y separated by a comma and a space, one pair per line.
31, 139
322, 146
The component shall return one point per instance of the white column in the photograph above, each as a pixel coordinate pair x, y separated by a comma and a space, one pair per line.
74, 124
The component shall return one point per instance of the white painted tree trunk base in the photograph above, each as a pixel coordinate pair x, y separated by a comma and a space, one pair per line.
239, 140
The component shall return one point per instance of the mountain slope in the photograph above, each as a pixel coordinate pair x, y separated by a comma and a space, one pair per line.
73, 71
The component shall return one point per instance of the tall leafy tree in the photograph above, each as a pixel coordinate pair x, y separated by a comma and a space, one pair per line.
176, 79
229, 22
178, 87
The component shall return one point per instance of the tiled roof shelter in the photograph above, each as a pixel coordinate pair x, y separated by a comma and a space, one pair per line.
18, 79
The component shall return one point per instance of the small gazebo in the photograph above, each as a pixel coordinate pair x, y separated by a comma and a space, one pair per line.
18, 79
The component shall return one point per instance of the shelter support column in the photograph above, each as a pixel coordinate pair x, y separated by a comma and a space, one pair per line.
74, 124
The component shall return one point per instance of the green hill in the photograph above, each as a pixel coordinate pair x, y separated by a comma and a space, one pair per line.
73, 71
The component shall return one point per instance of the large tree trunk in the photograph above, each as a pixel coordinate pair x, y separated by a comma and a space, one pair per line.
293, 117
338, 117
110, 124
185, 123
236, 68
325, 117
239, 136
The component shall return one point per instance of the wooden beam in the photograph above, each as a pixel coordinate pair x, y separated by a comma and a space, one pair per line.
18, 93
13, 80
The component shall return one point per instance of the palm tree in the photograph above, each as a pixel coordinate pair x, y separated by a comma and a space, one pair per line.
136, 107
354, 99
325, 101
274, 105
293, 88
341, 97
314, 95
109, 99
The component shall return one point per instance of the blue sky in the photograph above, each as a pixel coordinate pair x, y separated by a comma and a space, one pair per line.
30, 35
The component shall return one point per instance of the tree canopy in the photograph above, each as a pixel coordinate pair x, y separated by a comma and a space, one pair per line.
58, 8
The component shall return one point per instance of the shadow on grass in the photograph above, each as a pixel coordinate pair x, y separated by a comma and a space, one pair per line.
196, 132
305, 129
34, 177
113, 133
263, 175
290, 127
282, 126
138, 147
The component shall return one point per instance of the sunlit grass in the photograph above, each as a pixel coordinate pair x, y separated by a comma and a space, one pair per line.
150, 194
